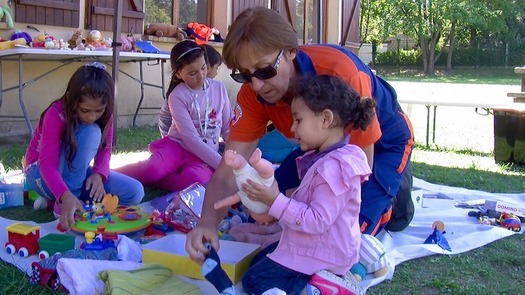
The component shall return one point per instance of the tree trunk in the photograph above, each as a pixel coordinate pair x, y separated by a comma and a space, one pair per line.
423, 42
452, 43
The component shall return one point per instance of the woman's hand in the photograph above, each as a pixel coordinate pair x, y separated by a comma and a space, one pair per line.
95, 186
196, 241
261, 193
68, 204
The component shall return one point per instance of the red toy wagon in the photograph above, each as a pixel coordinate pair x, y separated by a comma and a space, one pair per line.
22, 238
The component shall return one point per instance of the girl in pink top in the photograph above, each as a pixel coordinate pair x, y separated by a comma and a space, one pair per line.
320, 220
200, 112
74, 130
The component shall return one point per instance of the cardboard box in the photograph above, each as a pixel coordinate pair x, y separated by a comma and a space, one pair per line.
436, 200
170, 251
505, 207
11, 195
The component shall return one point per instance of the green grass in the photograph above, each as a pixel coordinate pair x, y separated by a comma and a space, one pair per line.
496, 268
467, 75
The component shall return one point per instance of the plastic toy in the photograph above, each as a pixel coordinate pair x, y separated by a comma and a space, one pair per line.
372, 257
111, 216
260, 171
183, 211
145, 47
22, 238
104, 209
509, 221
359, 271
98, 243
437, 236
54, 243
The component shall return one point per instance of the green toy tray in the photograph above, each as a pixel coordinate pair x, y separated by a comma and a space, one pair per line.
125, 220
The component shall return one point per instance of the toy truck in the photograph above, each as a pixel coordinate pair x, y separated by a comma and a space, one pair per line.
54, 243
22, 238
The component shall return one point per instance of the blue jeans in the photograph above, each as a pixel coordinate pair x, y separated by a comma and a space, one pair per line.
88, 137
265, 274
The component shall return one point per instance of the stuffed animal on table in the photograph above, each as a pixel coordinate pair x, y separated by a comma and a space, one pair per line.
372, 258
75, 39
258, 170
164, 30
202, 33
9, 44
95, 41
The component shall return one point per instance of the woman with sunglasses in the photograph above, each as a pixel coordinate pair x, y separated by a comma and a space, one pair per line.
262, 51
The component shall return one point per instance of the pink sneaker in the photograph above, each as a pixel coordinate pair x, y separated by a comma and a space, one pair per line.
326, 283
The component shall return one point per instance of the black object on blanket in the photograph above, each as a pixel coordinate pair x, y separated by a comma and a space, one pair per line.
212, 271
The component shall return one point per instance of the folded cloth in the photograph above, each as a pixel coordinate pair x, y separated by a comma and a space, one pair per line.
151, 279
79, 276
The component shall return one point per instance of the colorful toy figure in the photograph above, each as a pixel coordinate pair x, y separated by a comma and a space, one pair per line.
510, 222
22, 238
96, 243
104, 209
437, 236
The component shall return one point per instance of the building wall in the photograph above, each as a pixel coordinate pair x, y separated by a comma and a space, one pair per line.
38, 95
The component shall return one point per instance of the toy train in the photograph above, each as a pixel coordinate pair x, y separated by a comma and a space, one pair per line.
22, 239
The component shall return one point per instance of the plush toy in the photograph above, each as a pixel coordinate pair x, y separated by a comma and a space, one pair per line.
19, 34
203, 33
260, 171
4, 11
94, 41
164, 30
76, 38
371, 257
127, 43
40, 40
9, 44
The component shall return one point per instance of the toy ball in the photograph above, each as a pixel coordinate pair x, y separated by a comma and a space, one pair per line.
359, 271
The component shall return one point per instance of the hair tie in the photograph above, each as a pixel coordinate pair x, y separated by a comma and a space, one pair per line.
186, 52
97, 65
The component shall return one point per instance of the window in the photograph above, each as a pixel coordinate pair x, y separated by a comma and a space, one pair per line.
308, 17
64, 13
177, 12
99, 16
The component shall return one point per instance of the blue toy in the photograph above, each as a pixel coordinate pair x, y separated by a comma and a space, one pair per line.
437, 236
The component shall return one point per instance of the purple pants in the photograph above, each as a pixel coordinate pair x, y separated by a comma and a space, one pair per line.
170, 167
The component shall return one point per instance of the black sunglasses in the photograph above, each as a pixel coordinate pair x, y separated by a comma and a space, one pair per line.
261, 74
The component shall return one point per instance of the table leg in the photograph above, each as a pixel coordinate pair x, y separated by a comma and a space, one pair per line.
428, 123
21, 96
434, 126
141, 82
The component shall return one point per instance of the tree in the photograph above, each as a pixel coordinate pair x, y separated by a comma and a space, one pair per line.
436, 24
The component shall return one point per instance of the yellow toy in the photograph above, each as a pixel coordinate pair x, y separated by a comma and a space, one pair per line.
8, 44
104, 209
